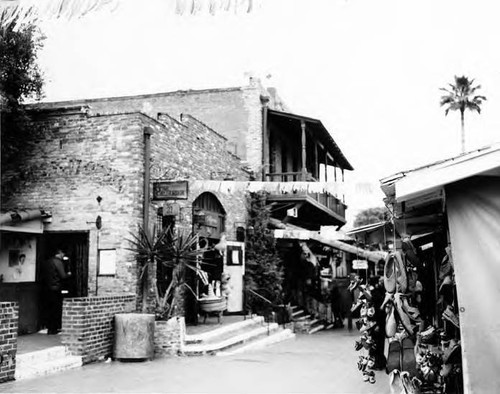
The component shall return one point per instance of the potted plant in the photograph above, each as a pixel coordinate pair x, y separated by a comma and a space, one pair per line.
134, 332
175, 253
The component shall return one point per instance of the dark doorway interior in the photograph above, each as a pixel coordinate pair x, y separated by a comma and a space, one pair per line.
76, 248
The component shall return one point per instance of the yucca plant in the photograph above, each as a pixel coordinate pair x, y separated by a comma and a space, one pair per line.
179, 252
182, 253
148, 249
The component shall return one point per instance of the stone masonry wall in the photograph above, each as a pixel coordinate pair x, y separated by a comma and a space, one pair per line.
222, 109
77, 156
88, 324
73, 159
191, 149
169, 337
9, 313
236, 113
233, 201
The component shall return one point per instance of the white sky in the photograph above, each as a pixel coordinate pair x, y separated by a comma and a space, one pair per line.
369, 69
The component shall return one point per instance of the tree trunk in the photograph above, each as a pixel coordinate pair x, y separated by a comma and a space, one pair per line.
462, 131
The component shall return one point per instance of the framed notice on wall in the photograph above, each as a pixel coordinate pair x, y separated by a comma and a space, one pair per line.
107, 262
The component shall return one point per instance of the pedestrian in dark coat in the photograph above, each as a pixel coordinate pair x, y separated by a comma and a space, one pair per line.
52, 275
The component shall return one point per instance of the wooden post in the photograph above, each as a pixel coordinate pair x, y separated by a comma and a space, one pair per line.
326, 166
304, 157
265, 143
316, 161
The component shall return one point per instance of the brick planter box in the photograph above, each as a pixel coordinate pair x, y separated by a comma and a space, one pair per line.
87, 324
9, 313
169, 336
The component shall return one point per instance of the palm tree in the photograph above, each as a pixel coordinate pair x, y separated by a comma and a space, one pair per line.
461, 96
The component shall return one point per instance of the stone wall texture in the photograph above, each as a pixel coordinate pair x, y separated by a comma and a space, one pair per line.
236, 112
88, 324
169, 337
9, 313
78, 156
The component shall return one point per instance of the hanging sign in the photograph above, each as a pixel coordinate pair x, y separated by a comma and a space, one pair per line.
177, 190
360, 264
171, 209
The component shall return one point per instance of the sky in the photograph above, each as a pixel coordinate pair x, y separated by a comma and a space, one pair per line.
369, 69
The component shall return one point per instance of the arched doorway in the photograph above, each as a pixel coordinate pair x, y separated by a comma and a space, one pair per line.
209, 218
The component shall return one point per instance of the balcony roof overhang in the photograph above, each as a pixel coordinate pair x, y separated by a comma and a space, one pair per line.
318, 130
311, 213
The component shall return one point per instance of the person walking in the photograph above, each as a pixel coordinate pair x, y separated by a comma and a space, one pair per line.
53, 274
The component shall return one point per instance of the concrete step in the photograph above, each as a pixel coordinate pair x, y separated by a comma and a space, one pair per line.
298, 312
277, 336
39, 356
212, 347
226, 330
32, 370
316, 328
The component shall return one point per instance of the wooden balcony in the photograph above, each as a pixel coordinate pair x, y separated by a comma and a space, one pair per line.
312, 209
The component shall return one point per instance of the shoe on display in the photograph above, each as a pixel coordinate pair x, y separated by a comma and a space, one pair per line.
408, 360
453, 354
367, 326
356, 306
400, 269
390, 323
402, 315
446, 370
450, 316
410, 252
395, 383
390, 273
394, 356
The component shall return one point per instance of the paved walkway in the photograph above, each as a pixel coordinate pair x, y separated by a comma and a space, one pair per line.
324, 362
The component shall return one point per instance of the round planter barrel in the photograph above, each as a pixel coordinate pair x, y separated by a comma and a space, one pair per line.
134, 336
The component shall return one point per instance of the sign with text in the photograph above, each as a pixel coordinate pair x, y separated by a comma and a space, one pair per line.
177, 190
360, 264
171, 209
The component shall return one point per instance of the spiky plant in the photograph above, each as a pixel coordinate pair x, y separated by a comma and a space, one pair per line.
179, 252
182, 253
148, 249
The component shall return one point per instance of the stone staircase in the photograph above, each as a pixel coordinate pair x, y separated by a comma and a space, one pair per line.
305, 323
45, 362
250, 334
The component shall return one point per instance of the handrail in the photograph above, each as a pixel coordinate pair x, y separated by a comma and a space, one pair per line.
258, 295
269, 302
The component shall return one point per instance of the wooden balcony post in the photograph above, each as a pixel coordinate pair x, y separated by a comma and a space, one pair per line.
304, 157
326, 166
265, 143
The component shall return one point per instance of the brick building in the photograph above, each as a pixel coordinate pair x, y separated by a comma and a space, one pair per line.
187, 157
82, 168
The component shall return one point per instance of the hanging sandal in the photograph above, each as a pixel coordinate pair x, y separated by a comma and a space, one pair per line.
401, 278
390, 323
403, 316
390, 273
449, 315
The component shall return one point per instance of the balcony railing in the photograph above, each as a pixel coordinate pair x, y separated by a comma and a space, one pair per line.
290, 177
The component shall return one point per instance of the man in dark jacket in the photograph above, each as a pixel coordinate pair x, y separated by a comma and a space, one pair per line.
53, 274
